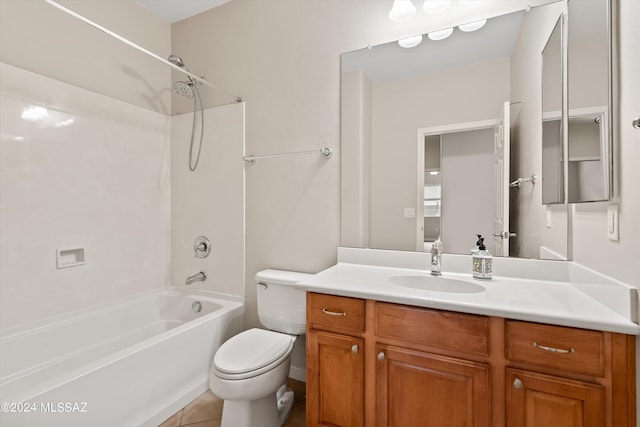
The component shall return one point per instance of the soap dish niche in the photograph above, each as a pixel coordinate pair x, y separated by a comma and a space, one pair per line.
70, 257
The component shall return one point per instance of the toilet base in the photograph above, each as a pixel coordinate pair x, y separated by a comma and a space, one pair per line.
242, 413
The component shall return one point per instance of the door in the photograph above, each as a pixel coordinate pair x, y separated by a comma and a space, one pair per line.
335, 380
537, 400
422, 389
502, 143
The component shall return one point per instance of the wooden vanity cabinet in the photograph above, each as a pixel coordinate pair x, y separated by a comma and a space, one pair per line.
569, 377
335, 361
417, 388
424, 372
414, 366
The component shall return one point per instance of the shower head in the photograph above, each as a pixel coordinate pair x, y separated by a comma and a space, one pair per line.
176, 60
184, 89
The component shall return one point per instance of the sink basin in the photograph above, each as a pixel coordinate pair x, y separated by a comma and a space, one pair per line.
436, 283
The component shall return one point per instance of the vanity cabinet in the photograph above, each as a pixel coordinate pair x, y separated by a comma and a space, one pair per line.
567, 376
381, 364
543, 400
335, 361
423, 367
417, 388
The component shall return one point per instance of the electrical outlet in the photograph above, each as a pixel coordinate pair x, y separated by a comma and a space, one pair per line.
613, 217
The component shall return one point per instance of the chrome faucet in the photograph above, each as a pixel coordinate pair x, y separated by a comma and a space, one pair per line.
198, 277
436, 253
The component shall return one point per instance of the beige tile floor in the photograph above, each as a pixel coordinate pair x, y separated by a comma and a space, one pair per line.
206, 410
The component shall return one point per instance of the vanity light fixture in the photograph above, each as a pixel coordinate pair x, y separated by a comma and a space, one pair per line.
402, 10
440, 34
472, 26
435, 6
409, 42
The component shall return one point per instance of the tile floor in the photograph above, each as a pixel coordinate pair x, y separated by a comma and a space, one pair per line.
206, 410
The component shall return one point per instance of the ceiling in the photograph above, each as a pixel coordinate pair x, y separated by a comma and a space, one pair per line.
389, 62
177, 10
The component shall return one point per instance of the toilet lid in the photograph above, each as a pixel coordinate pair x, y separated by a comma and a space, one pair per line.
252, 350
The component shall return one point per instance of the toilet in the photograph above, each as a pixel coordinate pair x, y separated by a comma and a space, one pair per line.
250, 370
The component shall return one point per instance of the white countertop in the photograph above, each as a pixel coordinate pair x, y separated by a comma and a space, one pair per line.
543, 301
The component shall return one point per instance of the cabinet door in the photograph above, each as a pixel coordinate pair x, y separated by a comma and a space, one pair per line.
422, 389
537, 400
335, 380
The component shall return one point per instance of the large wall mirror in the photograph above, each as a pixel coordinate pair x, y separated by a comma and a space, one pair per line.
445, 140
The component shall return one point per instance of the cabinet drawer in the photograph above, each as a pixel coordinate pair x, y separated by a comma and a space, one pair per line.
467, 333
334, 312
571, 349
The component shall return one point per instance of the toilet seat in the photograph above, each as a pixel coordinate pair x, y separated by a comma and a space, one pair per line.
251, 353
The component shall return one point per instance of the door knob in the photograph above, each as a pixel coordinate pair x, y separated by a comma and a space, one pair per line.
517, 384
354, 348
381, 356
505, 234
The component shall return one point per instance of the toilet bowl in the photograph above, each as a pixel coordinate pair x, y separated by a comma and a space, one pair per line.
250, 370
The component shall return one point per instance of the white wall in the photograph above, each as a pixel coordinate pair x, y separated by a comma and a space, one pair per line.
209, 201
355, 194
468, 189
591, 245
40, 38
92, 174
401, 108
528, 214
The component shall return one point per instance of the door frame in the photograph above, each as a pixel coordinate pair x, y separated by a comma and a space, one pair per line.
421, 134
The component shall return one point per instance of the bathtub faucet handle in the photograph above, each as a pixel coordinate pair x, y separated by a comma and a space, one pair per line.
202, 247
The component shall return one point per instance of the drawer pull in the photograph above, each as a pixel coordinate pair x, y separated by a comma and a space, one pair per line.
333, 313
381, 356
553, 350
354, 349
517, 384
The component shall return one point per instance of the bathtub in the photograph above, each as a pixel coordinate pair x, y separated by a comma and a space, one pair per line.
132, 362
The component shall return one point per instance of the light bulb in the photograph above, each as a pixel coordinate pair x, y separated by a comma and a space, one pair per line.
440, 34
412, 41
472, 26
402, 10
435, 6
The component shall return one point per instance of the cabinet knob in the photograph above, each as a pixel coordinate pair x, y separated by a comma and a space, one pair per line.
381, 356
354, 348
517, 384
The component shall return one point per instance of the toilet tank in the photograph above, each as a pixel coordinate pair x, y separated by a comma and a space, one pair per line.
281, 307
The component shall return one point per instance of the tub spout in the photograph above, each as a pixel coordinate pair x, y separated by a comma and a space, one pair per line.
198, 277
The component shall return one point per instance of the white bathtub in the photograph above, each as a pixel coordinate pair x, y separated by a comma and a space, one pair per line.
132, 362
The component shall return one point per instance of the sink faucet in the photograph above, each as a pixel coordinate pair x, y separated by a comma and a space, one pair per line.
436, 253
198, 277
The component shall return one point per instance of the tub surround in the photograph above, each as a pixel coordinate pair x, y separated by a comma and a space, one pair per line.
552, 292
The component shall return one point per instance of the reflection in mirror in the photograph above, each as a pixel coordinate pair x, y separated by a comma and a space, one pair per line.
441, 88
552, 132
589, 120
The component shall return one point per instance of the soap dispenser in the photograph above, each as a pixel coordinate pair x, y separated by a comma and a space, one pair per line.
482, 261
476, 248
